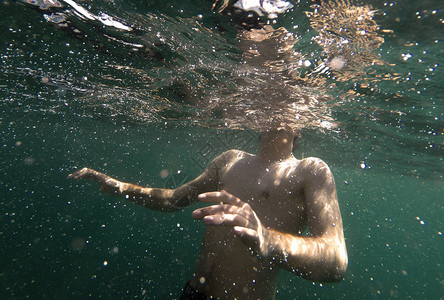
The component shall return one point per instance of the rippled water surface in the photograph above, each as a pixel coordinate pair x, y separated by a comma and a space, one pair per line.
151, 91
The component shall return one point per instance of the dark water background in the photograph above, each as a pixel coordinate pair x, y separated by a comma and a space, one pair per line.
75, 92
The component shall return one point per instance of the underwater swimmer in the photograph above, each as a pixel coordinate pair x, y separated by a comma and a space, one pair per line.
258, 208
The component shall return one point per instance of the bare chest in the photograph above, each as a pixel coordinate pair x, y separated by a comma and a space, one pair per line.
275, 193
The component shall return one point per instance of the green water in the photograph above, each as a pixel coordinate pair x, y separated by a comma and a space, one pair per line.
71, 99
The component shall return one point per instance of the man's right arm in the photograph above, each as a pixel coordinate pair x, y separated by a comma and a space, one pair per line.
167, 200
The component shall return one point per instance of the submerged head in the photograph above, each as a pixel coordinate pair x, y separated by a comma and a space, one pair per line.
281, 137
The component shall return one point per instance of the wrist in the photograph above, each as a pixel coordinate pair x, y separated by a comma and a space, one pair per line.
266, 248
275, 246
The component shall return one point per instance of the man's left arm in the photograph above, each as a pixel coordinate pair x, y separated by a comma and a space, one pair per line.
322, 256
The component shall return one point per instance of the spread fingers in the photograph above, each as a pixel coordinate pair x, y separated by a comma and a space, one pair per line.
221, 196
226, 220
200, 213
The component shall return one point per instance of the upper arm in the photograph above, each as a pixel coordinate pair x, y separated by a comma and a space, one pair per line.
206, 182
323, 214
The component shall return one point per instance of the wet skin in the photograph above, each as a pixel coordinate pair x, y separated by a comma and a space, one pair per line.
258, 208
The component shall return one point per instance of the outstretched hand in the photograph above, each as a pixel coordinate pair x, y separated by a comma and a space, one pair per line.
82, 173
107, 183
232, 212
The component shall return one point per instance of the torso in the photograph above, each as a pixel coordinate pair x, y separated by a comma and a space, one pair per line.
275, 192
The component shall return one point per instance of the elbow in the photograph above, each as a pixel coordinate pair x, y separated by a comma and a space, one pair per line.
163, 205
331, 272
170, 208
336, 272
170, 202
339, 265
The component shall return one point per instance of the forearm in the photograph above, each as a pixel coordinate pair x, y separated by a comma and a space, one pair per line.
315, 258
154, 198
167, 200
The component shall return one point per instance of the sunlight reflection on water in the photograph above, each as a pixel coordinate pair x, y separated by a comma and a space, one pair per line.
337, 71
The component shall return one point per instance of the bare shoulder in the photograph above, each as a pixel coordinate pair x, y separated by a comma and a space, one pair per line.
316, 169
314, 164
235, 153
223, 162
230, 156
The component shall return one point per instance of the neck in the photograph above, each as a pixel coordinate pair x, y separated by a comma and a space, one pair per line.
275, 146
